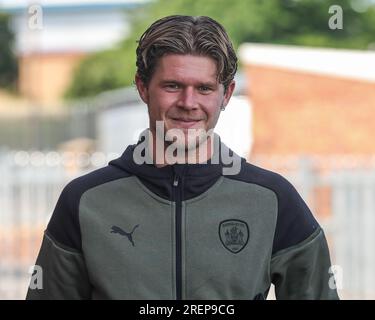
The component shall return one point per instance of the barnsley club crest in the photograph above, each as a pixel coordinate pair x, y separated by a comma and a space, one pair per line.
234, 234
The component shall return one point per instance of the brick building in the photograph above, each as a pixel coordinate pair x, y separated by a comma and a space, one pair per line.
310, 100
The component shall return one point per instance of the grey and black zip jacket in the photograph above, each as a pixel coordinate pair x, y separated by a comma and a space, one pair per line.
183, 231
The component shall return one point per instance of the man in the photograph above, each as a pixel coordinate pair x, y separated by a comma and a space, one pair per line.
179, 215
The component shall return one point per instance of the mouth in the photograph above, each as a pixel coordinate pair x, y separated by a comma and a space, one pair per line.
185, 123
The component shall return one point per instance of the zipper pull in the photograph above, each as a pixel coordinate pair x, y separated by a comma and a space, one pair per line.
175, 181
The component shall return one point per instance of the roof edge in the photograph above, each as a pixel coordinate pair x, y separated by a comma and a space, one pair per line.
352, 64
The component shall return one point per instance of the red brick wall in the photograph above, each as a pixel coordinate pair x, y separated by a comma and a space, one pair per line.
296, 112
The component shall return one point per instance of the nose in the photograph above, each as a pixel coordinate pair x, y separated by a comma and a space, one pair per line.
188, 99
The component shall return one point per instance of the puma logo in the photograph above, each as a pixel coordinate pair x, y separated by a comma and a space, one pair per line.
116, 229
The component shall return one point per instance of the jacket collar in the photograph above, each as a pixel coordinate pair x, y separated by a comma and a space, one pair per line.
196, 178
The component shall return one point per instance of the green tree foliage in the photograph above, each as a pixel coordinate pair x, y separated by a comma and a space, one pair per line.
295, 22
8, 61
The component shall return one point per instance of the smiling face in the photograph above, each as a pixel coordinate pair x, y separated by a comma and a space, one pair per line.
184, 92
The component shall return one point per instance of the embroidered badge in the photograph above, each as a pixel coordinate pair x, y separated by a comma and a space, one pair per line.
234, 234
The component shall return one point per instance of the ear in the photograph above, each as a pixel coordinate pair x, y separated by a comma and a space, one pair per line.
142, 89
229, 92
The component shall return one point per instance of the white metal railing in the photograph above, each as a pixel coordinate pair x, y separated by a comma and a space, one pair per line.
30, 185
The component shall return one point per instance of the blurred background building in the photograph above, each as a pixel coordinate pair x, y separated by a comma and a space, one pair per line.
71, 30
304, 106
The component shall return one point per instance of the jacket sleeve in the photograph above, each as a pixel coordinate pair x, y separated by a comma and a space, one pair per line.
302, 271
300, 262
60, 261
63, 273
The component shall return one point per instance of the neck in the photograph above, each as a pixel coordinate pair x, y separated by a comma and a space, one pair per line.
170, 154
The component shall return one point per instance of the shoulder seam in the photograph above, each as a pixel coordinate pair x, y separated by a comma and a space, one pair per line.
100, 184
93, 187
277, 201
60, 246
70, 199
309, 239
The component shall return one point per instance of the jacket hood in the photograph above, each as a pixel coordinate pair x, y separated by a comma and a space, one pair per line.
196, 178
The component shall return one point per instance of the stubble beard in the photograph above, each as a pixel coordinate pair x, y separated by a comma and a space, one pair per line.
191, 145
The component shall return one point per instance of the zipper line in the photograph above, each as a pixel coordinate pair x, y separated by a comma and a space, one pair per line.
177, 198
